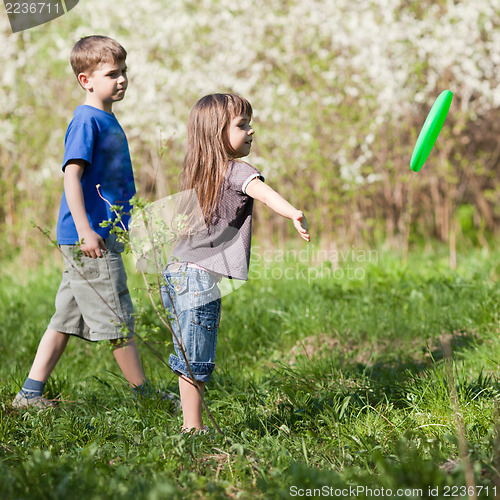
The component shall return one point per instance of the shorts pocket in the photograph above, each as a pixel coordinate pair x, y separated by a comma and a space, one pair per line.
83, 267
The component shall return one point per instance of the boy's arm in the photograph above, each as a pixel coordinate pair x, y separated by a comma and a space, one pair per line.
262, 192
91, 242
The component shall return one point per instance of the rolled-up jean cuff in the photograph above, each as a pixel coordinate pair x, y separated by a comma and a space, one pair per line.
201, 371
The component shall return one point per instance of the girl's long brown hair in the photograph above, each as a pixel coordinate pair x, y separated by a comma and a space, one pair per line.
208, 150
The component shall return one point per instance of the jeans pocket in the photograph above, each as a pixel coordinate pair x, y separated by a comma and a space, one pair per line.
177, 283
207, 315
208, 292
174, 293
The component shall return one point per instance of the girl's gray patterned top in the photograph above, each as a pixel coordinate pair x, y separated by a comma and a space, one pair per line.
224, 246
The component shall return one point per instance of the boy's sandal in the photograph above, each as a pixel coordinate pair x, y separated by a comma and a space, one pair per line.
37, 402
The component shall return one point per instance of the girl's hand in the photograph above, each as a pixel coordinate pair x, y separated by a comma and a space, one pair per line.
301, 225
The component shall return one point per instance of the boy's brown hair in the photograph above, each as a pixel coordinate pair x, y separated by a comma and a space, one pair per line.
92, 51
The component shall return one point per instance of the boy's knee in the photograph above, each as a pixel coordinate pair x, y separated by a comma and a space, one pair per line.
119, 343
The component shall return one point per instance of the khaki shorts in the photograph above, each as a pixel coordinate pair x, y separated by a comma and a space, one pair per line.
93, 301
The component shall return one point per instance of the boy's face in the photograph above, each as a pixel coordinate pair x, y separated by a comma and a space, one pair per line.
240, 136
106, 85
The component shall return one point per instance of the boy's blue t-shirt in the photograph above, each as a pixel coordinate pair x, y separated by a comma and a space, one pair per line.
96, 137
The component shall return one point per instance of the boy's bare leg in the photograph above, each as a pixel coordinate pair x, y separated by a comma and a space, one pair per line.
129, 361
48, 354
191, 404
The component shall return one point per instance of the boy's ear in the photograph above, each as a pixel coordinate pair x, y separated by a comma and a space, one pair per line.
84, 81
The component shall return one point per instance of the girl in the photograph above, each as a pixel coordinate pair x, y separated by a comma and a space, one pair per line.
219, 133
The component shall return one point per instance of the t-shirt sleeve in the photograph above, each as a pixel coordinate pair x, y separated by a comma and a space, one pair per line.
78, 143
241, 176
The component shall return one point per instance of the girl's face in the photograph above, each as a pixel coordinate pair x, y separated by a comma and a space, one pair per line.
240, 136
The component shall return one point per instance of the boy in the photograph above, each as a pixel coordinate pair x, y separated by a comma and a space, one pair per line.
93, 301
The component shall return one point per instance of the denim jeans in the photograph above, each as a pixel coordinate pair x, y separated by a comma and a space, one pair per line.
192, 299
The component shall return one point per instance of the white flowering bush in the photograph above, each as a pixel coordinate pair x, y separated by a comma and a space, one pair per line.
340, 89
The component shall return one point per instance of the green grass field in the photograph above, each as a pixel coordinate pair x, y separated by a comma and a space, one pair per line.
324, 382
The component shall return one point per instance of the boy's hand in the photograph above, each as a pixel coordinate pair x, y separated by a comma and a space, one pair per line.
92, 244
301, 225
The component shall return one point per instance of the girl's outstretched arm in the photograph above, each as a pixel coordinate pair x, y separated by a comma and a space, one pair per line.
262, 192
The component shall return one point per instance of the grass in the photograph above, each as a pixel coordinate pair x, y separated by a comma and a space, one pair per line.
321, 383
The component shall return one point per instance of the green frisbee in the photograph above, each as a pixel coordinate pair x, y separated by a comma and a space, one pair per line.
430, 131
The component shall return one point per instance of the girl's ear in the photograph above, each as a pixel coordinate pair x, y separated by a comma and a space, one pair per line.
85, 81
